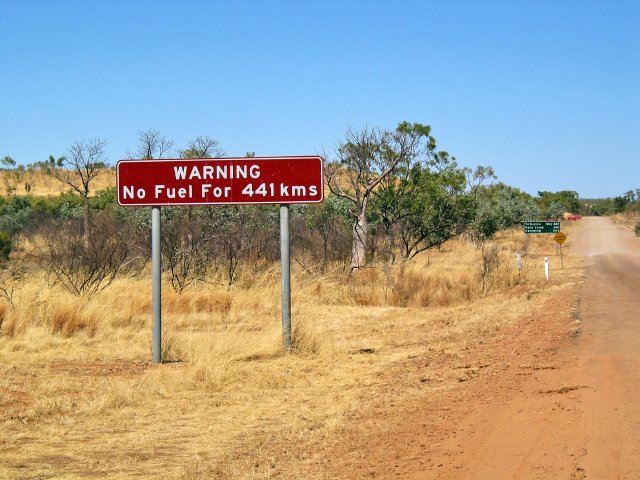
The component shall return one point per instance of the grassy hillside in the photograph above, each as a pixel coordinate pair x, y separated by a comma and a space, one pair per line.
39, 182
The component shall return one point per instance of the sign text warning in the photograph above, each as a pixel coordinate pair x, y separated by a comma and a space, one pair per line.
216, 181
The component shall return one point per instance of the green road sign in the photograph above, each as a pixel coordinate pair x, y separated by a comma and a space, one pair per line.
541, 227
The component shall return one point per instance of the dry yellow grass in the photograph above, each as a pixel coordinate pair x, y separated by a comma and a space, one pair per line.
80, 400
39, 183
628, 219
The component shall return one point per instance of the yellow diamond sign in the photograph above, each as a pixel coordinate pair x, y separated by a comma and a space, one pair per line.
560, 238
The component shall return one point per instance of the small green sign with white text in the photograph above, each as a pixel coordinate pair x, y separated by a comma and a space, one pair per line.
541, 227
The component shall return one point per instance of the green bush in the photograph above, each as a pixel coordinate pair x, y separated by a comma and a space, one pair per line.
104, 198
6, 244
637, 229
14, 215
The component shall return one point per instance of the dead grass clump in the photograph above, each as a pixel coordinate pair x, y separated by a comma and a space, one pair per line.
192, 302
304, 340
176, 302
257, 275
368, 287
219, 358
11, 326
219, 302
449, 290
116, 396
16, 322
68, 320
413, 287
408, 284
3, 315
506, 278
170, 349
26, 302
141, 304
125, 318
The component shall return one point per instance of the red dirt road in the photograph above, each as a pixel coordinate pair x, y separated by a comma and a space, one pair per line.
578, 415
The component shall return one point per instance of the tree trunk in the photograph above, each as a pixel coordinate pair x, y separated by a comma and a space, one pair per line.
389, 245
359, 250
86, 223
325, 251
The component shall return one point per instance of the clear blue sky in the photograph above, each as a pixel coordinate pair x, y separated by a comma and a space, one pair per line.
546, 92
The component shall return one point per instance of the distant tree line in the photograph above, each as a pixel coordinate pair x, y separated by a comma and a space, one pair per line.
627, 202
392, 194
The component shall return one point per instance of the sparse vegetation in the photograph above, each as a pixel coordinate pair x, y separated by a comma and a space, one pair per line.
75, 309
226, 361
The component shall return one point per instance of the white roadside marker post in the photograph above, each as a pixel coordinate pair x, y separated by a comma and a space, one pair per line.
546, 268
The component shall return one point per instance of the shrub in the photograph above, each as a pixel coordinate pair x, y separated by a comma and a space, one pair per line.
6, 245
637, 229
83, 270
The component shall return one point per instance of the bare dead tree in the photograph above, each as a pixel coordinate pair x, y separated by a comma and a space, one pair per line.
85, 161
12, 276
152, 144
185, 249
202, 147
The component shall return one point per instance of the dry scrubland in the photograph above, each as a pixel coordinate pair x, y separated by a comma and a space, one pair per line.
79, 398
627, 219
40, 183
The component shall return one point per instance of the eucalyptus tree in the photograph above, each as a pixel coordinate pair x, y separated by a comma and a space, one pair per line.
500, 206
7, 162
555, 210
365, 159
565, 200
441, 204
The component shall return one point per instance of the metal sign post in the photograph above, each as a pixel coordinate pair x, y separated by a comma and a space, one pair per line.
285, 275
559, 239
219, 181
156, 285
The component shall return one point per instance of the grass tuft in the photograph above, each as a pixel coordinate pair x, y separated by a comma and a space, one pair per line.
70, 319
3, 315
